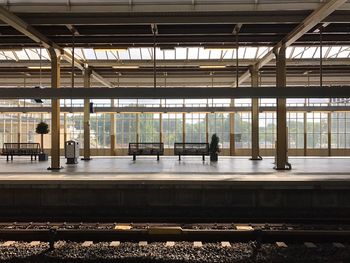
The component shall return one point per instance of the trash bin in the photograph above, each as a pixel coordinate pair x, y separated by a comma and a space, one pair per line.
71, 150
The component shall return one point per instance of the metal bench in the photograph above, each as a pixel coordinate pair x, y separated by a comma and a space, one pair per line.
19, 149
143, 148
191, 149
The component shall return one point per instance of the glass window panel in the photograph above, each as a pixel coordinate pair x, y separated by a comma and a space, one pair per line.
181, 53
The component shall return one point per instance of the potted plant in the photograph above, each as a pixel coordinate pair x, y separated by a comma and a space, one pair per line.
214, 148
42, 128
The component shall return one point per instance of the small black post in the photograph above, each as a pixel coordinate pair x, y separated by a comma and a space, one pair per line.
179, 157
134, 157
157, 157
203, 157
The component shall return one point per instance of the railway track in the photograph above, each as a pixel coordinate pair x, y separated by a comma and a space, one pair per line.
143, 232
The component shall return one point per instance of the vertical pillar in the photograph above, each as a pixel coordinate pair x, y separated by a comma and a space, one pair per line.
55, 109
329, 122
207, 127
281, 162
305, 134
254, 73
183, 127
19, 125
232, 131
137, 127
160, 127
87, 150
113, 130
65, 127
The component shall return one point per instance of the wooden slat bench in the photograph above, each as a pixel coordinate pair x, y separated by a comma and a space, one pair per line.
191, 149
19, 149
146, 149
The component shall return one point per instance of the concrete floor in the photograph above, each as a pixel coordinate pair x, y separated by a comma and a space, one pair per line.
169, 168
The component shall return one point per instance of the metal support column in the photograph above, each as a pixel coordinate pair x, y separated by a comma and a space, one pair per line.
281, 162
160, 127
329, 133
113, 130
207, 127
254, 73
87, 150
184, 127
55, 56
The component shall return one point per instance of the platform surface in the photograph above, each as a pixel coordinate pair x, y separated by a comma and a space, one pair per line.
170, 169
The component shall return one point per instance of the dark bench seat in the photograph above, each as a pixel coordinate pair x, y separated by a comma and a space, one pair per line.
19, 149
191, 149
143, 148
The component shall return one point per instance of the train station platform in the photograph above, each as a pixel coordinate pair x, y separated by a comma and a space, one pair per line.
169, 168
119, 188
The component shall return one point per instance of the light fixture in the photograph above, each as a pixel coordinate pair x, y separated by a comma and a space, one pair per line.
38, 67
220, 48
212, 66
110, 49
125, 67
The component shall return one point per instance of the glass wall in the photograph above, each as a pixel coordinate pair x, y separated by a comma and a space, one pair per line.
243, 127
295, 123
172, 129
267, 130
317, 130
195, 127
219, 123
75, 127
126, 129
100, 130
149, 127
340, 123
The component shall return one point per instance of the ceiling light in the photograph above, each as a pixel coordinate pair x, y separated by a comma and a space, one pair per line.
220, 48
125, 67
212, 66
110, 49
38, 67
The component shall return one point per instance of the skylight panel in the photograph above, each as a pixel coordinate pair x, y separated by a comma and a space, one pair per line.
10, 55
22, 55
298, 52
145, 52
289, 51
78, 52
181, 53
32, 54
344, 53
262, 51
89, 54
228, 54
159, 53
250, 53
203, 53
215, 54
169, 54
135, 53
309, 52
123, 54
241, 52
101, 54
193, 53
333, 52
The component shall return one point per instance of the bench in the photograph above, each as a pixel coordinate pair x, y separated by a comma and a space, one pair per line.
191, 149
19, 149
143, 148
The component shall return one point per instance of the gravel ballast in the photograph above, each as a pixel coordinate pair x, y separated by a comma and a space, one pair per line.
180, 252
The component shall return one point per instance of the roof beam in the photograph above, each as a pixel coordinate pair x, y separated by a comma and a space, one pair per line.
177, 93
29, 31
308, 23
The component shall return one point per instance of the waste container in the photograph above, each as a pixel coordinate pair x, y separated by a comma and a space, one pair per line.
71, 150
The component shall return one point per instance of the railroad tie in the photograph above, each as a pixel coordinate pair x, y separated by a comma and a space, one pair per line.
170, 244
34, 243
225, 244
338, 245
281, 244
8, 243
143, 243
244, 228
197, 244
87, 244
60, 244
310, 245
114, 244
